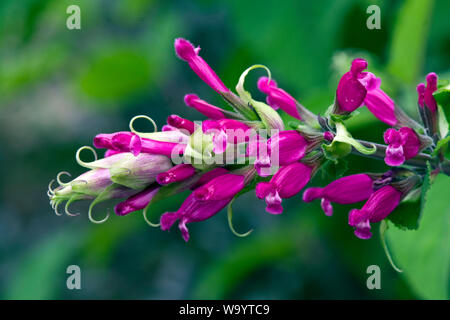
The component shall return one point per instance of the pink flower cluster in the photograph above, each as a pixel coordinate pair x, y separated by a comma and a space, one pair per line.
138, 166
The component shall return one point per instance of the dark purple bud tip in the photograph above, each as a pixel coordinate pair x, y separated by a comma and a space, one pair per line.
174, 120
123, 208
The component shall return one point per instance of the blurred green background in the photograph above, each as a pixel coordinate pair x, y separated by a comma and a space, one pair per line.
60, 87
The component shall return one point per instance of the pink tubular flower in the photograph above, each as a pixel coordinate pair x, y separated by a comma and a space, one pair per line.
421, 94
116, 142
192, 210
212, 112
225, 131
277, 97
357, 88
181, 123
379, 205
403, 144
137, 202
378, 102
176, 174
350, 93
134, 144
208, 176
186, 51
285, 147
287, 182
426, 92
346, 190
222, 187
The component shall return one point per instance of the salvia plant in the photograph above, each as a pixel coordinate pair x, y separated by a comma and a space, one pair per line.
253, 148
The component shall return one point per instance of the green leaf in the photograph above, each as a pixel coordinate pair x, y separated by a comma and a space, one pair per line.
409, 40
441, 144
424, 254
442, 96
408, 214
343, 142
442, 122
334, 169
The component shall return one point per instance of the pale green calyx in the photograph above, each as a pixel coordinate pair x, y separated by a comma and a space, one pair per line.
269, 117
343, 142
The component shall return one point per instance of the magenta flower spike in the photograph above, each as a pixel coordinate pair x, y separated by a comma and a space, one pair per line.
192, 210
287, 182
176, 174
209, 110
222, 187
186, 51
350, 93
346, 190
181, 123
403, 144
278, 98
136, 202
379, 205
255, 147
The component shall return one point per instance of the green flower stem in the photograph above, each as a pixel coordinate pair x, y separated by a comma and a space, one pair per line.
418, 161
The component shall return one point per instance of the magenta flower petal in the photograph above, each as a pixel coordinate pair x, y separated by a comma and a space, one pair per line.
287, 182
379, 205
137, 202
421, 94
220, 188
345, 190
181, 123
289, 146
208, 176
326, 207
381, 106
186, 51
410, 142
278, 98
192, 210
209, 110
176, 174
403, 144
135, 145
429, 100
350, 93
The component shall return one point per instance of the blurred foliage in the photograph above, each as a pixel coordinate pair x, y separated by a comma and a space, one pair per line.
60, 87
